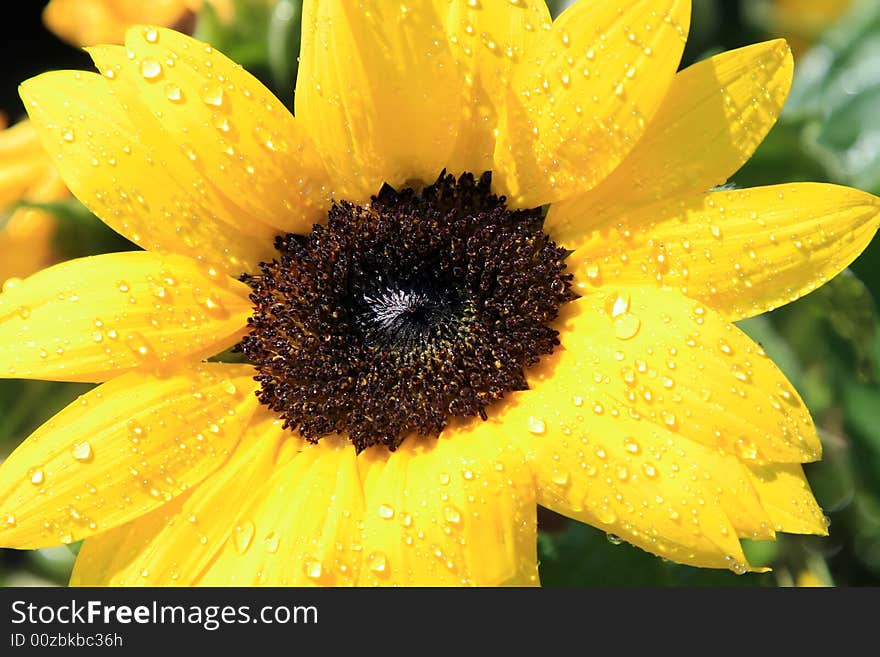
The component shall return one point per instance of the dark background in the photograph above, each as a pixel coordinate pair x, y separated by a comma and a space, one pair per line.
27, 49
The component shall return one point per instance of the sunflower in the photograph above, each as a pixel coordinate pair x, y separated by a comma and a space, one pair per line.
26, 174
484, 267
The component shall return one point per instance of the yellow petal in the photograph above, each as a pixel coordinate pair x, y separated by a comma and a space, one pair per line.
93, 318
123, 449
304, 523
488, 40
681, 365
741, 252
646, 419
378, 91
458, 510
786, 494
633, 479
582, 98
133, 177
712, 119
174, 544
247, 144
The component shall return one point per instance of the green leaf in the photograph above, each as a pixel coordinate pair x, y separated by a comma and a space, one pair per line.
762, 330
285, 25
80, 233
263, 37
584, 556
835, 95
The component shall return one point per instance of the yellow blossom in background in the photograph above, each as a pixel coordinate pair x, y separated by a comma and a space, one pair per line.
807, 578
801, 21
87, 22
25, 175
655, 419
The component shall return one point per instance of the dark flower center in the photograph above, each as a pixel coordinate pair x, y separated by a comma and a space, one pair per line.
397, 316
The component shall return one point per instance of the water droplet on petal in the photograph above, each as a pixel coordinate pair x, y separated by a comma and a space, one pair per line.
150, 69
560, 478
626, 326
536, 425
173, 93
620, 305
452, 515
82, 451
213, 96
244, 534
631, 446
378, 562
313, 568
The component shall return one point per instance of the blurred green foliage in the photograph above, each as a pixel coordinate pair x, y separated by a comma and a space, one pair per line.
827, 343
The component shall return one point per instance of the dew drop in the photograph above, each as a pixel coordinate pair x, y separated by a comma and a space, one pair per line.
244, 534
627, 326
378, 562
82, 451
37, 477
138, 344
746, 450
213, 96
173, 93
386, 512
621, 305
536, 426
560, 478
313, 568
150, 69
452, 515
221, 123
